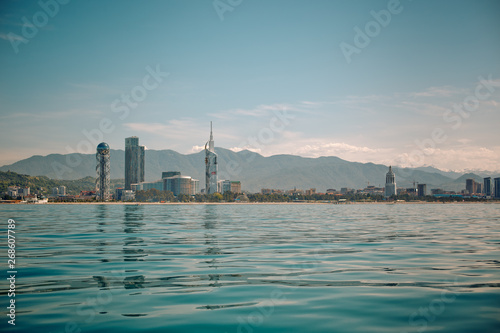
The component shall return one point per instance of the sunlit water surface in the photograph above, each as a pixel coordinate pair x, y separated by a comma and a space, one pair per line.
255, 268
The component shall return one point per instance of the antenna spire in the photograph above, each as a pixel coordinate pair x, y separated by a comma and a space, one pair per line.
211, 141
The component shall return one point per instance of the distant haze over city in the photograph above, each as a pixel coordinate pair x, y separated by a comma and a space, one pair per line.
402, 83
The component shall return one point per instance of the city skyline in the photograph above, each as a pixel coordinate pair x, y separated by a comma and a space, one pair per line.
420, 88
179, 184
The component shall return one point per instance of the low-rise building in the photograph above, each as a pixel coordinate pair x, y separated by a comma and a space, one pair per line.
127, 195
233, 186
180, 185
144, 186
311, 191
87, 195
17, 191
346, 190
271, 191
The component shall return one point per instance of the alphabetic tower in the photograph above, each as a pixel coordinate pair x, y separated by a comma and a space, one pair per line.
103, 172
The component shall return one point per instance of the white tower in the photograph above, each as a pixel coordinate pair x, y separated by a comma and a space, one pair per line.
390, 183
210, 165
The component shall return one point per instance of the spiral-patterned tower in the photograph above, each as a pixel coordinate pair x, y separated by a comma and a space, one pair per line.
103, 172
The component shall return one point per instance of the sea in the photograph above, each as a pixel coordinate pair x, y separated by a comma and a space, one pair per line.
252, 268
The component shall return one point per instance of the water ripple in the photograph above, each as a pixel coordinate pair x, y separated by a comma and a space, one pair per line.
257, 268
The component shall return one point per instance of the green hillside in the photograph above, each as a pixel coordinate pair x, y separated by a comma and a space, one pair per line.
73, 187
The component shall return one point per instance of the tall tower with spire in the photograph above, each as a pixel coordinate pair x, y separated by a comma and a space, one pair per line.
210, 165
390, 183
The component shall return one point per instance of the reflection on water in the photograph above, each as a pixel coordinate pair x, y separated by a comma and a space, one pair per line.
257, 268
134, 282
133, 247
212, 247
101, 217
133, 218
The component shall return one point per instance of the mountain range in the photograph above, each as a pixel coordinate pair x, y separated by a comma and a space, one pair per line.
253, 170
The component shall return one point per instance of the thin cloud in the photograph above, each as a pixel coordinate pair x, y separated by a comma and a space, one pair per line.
313, 104
443, 91
238, 149
459, 158
259, 111
12, 37
177, 129
197, 149
56, 115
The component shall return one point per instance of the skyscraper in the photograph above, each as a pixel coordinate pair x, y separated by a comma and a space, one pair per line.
471, 186
487, 186
496, 183
134, 162
390, 183
210, 165
103, 172
422, 190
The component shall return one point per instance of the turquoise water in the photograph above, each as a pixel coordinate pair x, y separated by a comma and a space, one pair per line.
255, 268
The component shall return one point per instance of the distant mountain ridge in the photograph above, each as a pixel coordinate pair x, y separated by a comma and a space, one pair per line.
253, 170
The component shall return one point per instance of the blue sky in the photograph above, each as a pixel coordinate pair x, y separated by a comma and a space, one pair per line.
244, 65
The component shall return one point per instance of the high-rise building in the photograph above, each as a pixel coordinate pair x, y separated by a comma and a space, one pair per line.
496, 184
223, 186
62, 190
487, 186
422, 190
103, 172
210, 165
390, 183
134, 162
195, 186
471, 186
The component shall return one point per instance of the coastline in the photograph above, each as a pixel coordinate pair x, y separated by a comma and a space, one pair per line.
260, 203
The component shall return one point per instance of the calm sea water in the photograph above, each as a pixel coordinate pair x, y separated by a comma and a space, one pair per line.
255, 268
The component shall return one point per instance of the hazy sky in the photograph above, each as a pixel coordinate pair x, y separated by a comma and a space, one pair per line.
414, 83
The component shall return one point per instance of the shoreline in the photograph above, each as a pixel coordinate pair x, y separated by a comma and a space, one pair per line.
258, 203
